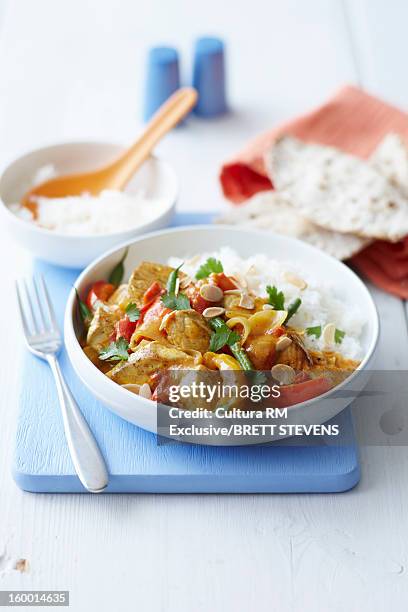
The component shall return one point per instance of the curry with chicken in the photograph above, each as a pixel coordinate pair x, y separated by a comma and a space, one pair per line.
163, 320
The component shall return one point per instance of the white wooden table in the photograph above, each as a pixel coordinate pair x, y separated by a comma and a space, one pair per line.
73, 69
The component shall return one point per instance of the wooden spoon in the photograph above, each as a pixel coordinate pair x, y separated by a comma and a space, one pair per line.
118, 173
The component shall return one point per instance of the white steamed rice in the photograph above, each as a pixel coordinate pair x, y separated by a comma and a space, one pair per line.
320, 305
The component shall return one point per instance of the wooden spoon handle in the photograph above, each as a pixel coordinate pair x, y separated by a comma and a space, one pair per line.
167, 116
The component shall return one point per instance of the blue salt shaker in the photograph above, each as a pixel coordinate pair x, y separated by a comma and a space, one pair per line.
163, 78
209, 77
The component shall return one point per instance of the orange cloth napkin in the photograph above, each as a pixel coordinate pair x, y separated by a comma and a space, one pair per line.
355, 122
352, 120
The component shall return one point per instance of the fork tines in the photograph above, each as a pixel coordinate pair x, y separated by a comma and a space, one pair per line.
36, 311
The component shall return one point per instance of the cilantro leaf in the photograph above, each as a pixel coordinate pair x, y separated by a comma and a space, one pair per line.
293, 308
314, 331
275, 298
116, 351
218, 340
223, 337
338, 336
132, 311
211, 265
317, 332
233, 338
176, 302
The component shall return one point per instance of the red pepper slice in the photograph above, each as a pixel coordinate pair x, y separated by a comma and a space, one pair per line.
152, 292
197, 302
223, 281
154, 310
124, 329
302, 391
99, 292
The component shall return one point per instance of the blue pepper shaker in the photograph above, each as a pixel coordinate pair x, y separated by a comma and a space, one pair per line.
163, 78
209, 77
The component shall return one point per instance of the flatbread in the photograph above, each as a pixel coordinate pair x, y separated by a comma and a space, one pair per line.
337, 191
269, 210
391, 159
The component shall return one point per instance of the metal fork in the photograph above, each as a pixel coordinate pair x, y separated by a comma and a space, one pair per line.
44, 341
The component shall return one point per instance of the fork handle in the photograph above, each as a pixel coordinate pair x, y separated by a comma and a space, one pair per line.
86, 456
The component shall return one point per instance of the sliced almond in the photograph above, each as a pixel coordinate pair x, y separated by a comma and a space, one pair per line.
211, 293
267, 307
283, 343
233, 292
295, 280
213, 311
240, 281
177, 287
145, 391
284, 374
246, 301
328, 335
185, 282
165, 320
231, 301
193, 260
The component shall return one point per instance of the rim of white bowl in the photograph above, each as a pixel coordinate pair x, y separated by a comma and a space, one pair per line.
69, 310
71, 237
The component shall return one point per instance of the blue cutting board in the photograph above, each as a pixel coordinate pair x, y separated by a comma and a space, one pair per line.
136, 463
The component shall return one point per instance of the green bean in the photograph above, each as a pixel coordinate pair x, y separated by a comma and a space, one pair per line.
172, 281
217, 323
241, 356
292, 309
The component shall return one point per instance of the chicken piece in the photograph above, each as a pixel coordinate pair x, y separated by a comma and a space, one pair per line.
143, 276
148, 358
330, 359
261, 341
261, 350
93, 355
102, 326
177, 376
120, 297
188, 330
296, 354
346, 364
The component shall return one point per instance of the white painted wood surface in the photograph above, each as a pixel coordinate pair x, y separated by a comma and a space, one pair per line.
73, 69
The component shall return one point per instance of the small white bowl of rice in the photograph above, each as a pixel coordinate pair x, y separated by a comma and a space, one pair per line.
72, 231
